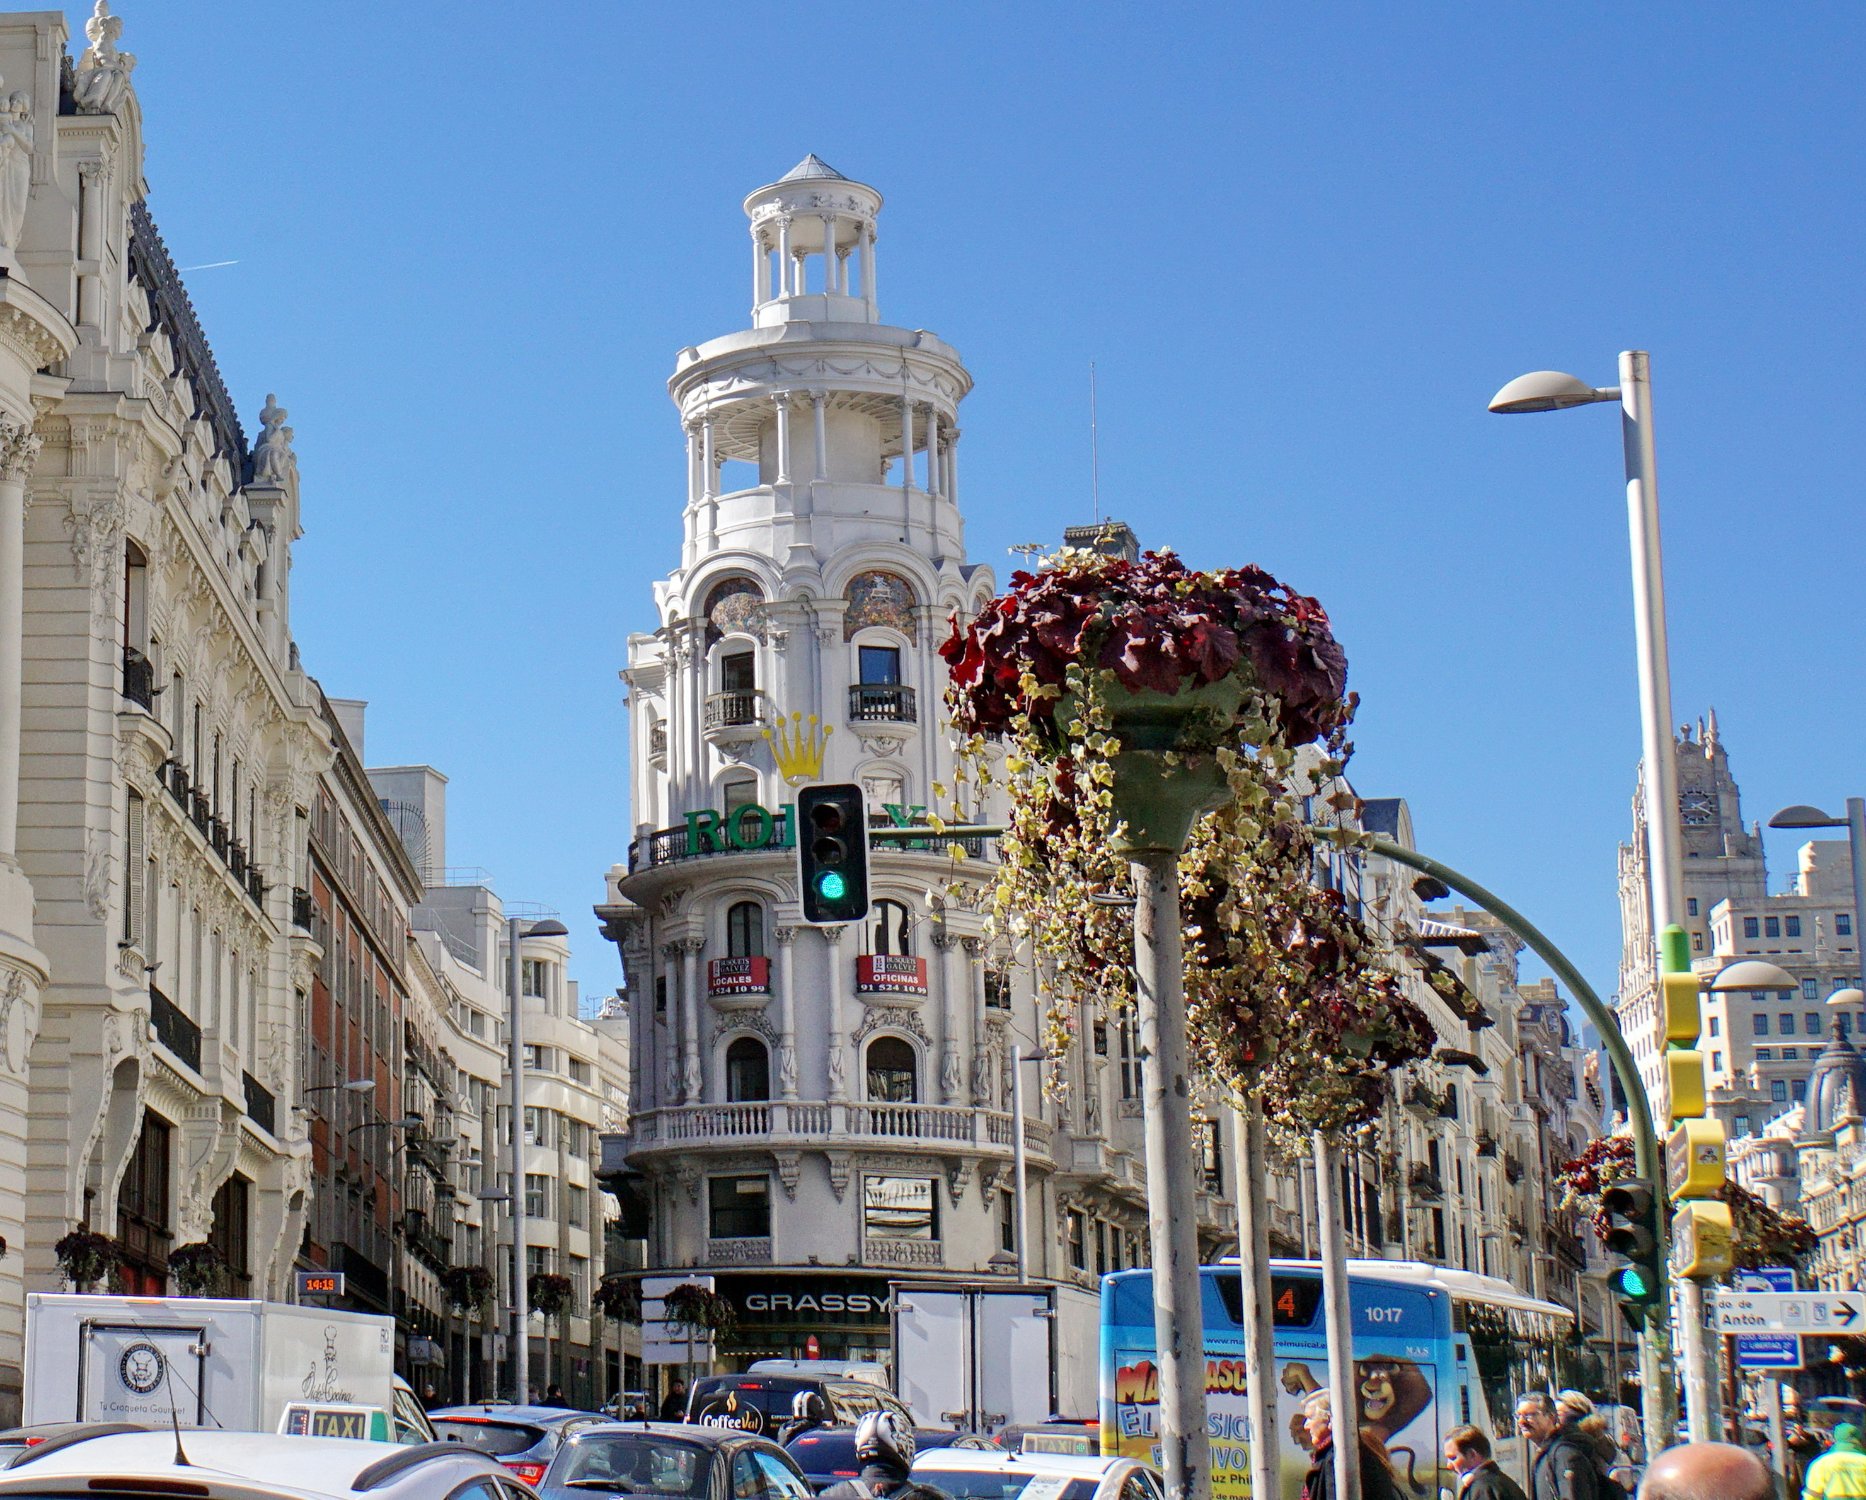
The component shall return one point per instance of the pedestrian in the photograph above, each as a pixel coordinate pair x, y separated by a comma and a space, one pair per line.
1467, 1454
884, 1447
1804, 1446
1377, 1482
554, 1394
1566, 1465
430, 1398
674, 1403
1709, 1471
1840, 1472
1577, 1409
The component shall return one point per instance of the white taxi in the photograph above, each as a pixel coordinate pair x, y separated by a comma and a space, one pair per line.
211, 1465
982, 1474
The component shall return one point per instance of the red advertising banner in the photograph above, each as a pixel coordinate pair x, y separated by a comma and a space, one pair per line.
890, 974
739, 976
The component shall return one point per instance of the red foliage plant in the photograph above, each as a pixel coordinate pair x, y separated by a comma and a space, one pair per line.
1156, 626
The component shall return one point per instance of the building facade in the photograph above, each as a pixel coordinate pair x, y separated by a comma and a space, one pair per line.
819, 1109
159, 742
1760, 1048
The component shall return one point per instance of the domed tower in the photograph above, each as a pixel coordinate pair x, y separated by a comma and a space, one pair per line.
814, 1097
1837, 1086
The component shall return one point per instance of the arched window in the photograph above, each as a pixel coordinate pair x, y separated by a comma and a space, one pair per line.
745, 930
892, 1072
887, 933
748, 1071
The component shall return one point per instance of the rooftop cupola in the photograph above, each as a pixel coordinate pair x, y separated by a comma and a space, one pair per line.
810, 229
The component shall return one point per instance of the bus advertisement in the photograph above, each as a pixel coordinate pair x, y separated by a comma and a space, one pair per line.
1415, 1369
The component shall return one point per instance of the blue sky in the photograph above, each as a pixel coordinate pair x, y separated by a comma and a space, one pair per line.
1303, 244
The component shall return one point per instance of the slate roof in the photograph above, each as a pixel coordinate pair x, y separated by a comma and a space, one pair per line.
811, 166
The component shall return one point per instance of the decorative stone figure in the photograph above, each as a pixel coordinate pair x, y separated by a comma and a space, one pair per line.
15, 172
981, 1076
949, 1080
787, 1071
273, 459
103, 75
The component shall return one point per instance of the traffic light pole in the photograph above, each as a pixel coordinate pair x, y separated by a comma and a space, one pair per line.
1655, 1363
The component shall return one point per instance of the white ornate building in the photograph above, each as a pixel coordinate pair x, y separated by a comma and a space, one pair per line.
158, 741
817, 1110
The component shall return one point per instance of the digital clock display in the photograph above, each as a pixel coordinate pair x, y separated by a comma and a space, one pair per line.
320, 1283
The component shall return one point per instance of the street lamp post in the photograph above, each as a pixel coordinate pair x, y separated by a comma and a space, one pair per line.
516, 930
1803, 816
1549, 390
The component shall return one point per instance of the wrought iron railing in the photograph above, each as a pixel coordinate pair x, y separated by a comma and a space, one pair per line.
138, 678
881, 702
301, 909
173, 1029
734, 709
261, 1107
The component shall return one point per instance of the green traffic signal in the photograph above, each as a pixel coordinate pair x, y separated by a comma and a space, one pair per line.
1632, 1209
830, 886
1633, 1284
832, 852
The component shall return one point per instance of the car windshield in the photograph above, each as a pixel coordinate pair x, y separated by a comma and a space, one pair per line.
631, 1463
496, 1438
1005, 1484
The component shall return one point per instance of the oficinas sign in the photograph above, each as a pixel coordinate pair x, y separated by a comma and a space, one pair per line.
710, 831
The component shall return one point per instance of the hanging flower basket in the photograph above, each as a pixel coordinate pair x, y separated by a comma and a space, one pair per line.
699, 1311
84, 1256
467, 1287
197, 1269
548, 1292
619, 1298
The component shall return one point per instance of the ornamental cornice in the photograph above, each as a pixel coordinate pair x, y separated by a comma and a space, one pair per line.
32, 327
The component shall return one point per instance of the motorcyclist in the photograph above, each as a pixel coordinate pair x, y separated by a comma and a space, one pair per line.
884, 1447
808, 1411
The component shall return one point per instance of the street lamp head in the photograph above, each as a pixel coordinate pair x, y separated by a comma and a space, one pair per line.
1850, 996
1548, 390
1754, 974
1803, 816
546, 928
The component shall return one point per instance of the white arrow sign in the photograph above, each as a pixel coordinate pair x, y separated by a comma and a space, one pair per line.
1790, 1312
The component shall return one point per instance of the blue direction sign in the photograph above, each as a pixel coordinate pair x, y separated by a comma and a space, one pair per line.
1767, 1351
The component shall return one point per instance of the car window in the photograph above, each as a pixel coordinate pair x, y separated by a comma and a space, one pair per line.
1136, 1488
633, 1463
748, 1480
497, 1438
781, 1479
479, 1489
411, 1422
851, 1402
513, 1490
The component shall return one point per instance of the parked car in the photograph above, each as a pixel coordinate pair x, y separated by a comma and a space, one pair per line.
16, 1440
206, 1464
672, 1459
827, 1454
971, 1475
762, 1403
523, 1438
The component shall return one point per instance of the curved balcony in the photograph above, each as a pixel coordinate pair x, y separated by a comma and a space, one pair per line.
829, 1124
881, 703
736, 717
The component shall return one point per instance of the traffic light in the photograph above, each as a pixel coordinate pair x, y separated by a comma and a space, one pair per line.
832, 853
1632, 1209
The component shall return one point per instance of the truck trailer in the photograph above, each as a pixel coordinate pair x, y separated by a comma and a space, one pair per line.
201, 1361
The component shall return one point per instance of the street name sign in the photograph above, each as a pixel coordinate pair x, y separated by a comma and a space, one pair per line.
1790, 1312
1768, 1351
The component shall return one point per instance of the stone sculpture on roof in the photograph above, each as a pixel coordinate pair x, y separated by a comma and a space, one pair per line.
103, 76
273, 459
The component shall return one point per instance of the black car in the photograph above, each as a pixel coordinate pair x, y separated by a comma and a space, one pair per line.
827, 1454
762, 1403
523, 1438
671, 1461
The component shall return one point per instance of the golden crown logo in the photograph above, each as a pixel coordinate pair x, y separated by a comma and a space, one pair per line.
799, 748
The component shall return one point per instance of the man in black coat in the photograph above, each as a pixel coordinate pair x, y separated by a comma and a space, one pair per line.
1566, 1465
1467, 1453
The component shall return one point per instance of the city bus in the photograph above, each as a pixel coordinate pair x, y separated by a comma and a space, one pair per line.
1433, 1348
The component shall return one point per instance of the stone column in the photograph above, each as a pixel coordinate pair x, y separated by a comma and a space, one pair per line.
709, 468
786, 267
819, 403
907, 445
92, 175
838, 1013
956, 1001
690, 1078
952, 464
19, 447
782, 403
829, 254
761, 268
868, 274
975, 1001
787, 1012
933, 485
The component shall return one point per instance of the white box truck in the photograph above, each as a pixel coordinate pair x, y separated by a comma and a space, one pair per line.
199, 1361
978, 1358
